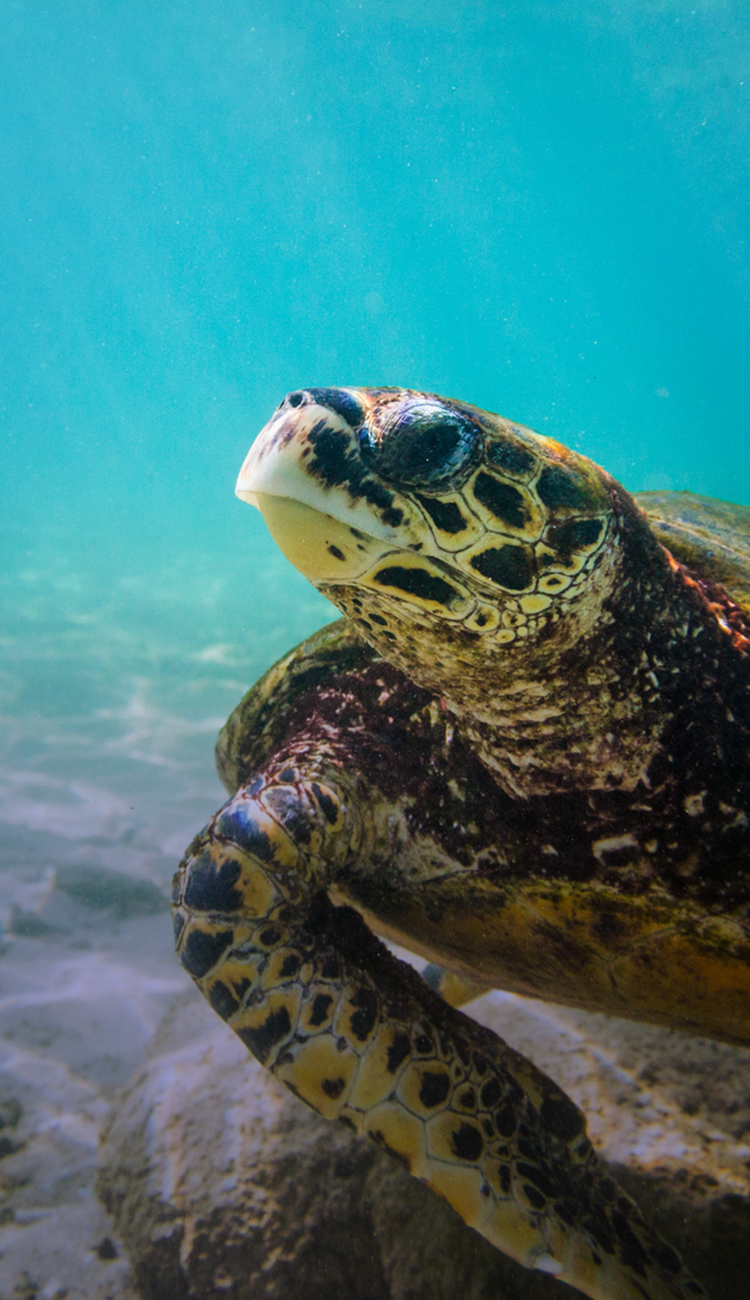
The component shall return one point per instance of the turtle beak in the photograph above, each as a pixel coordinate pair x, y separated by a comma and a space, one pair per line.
278, 465
296, 513
274, 465
245, 479
245, 493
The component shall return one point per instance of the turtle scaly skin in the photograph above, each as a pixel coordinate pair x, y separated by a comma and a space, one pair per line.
524, 755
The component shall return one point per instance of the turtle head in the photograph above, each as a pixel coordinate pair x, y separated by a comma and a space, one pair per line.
444, 532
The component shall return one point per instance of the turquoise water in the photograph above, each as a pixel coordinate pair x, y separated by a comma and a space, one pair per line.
540, 208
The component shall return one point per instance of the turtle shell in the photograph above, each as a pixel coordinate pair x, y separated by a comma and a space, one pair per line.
712, 538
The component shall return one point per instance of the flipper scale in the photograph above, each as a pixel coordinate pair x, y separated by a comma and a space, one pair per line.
359, 1036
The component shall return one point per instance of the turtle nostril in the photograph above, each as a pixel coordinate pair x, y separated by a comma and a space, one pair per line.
341, 401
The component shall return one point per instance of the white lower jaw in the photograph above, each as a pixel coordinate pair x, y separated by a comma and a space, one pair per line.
328, 552
323, 548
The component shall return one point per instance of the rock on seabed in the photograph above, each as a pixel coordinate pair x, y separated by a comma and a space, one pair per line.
224, 1187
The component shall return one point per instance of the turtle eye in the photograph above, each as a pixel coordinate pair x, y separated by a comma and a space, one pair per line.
424, 445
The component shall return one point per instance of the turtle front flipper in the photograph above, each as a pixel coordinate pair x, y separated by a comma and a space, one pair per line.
320, 1001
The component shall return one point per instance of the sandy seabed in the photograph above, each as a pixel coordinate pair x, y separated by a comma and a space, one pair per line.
115, 675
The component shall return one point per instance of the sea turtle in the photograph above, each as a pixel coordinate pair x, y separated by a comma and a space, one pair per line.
523, 754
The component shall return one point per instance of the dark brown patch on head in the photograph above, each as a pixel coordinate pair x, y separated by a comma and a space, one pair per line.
512, 458
341, 401
502, 500
508, 566
336, 463
573, 536
417, 582
445, 515
558, 487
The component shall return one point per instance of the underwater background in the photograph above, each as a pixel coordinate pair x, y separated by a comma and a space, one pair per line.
540, 208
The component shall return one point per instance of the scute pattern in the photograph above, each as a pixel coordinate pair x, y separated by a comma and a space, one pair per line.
500, 533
